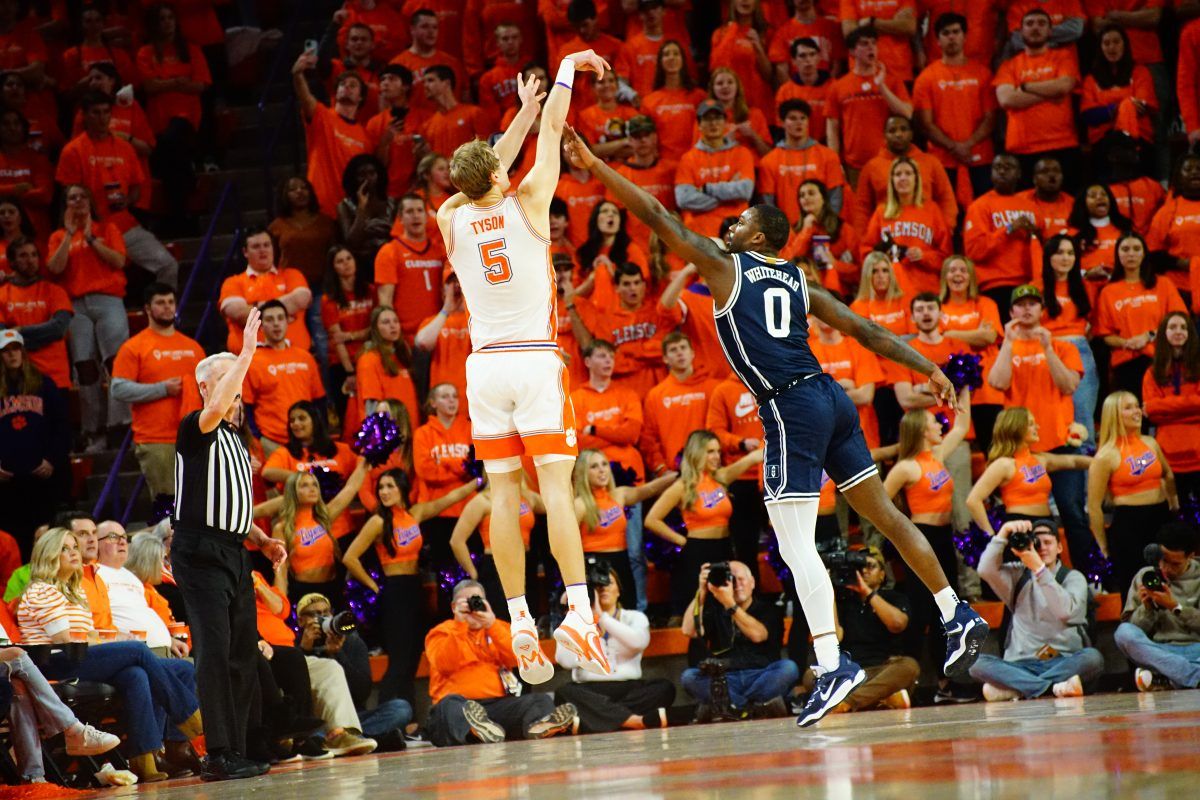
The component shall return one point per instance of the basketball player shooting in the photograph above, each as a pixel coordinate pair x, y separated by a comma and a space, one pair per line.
761, 304
517, 385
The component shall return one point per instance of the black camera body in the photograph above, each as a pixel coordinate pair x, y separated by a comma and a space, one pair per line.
1154, 580
719, 574
341, 624
1022, 540
475, 604
844, 565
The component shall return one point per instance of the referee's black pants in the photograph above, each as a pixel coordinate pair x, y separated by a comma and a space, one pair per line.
213, 575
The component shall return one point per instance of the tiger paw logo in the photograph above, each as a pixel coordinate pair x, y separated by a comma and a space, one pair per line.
571, 437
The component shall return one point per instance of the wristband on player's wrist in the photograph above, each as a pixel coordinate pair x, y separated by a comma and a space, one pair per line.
566, 73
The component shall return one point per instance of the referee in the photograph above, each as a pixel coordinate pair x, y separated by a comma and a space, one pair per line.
213, 518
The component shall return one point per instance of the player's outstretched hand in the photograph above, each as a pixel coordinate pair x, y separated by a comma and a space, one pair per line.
528, 92
587, 60
577, 152
943, 389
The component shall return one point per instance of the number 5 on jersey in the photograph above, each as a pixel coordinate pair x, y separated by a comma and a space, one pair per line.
496, 265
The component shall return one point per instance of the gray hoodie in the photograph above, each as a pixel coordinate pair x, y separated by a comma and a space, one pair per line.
1045, 612
1162, 624
710, 195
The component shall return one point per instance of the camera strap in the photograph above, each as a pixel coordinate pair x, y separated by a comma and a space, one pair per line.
1060, 578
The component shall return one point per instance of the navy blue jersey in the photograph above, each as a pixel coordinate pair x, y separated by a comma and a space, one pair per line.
763, 326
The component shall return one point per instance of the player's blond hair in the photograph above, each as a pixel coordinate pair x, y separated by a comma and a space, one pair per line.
471, 168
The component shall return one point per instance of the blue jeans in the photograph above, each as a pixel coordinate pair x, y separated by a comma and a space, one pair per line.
153, 690
746, 685
1087, 393
1033, 677
388, 716
1069, 487
1178, 663
637, 556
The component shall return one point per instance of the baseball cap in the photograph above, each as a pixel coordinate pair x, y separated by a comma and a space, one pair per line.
707, 107
11, 336
1046, 522
640, 124
1023, 291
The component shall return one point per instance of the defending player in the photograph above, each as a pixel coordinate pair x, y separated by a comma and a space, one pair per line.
761, 305
517, 384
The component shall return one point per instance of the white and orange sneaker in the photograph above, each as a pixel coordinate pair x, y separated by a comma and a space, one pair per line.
531, 661
583, 639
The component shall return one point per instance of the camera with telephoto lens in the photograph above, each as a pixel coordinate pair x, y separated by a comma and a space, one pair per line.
341, 624
719, 574
1153, 580
475, 604
844, 565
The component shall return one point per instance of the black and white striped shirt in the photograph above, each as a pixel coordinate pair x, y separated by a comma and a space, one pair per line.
213, 483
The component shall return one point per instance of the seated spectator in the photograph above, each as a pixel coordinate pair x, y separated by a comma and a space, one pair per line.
797, 159
870, 622
36, 712
1175, 229
394, 530
810, 72
332, 135
54, 609
1171, 398
622, 700
477, 515
672, 103
608, 245
910, 228
384, 723
410, 266
1160, 628
972, 319
1138, 195
871, 190
1096, 224
1047, 648
745, 633
302, 233
471, 667
309, 446
1117, 93
604, 123
34, 439
1129, 467
155, 372
346, 304
715, 178
382, 372
824, 238
127, 594
147, 560
38, 309
20, 576
87, 258
675, 407
280, 375
1068, 310
25, 174
263, 281
1130, 309
1052, 204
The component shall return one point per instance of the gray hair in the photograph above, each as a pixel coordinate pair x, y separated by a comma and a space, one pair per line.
146, 556
465, 585
205, 367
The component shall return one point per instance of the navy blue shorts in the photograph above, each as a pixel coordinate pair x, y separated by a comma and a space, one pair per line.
811, 427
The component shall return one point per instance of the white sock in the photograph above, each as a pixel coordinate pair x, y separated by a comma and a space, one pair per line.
518, 610
578, 600
947, 603
795, 523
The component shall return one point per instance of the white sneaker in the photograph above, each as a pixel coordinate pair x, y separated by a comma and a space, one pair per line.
998, 694
1144, 679
1071, 687
531, 661
583, 639
90, 742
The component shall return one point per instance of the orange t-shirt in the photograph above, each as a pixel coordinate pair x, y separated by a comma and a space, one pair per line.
733, 417
643, 58
1175, 410
1128, 309
601, 125
581, 197
731, 47
1143, 43
374, 383
672, 410
782, 170
1052, 215
876, 174
937, 353
446, 130
417, 100
1000, 259
401, 164
259, 287
893, 315
1068, 322
915, 226
271, 627
959, 97
449, 360
33, 305
674, 115
1049, 125
353, 317
837, 257
277, 378
332, 142
824, 30
150, 357
981, 18
439, 458
616, 416
498, 89
816, 96
701, 167
856, 102
658, 180
86, 272
1141, 86
415, 269
895, 51
163, 107
1187, 87
693, 315
1034, 388
1139, 199
969, 316
1176, 227
108, 168
610, 48
608, 535
637, 336
26, 165
758, 123
342, 462
850, 360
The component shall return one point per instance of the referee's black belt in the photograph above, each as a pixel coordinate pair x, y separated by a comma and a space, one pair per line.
771, 394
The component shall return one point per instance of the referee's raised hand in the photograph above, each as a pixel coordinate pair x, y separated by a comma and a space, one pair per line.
250, 333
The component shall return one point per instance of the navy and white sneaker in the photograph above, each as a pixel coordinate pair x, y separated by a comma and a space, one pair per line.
830, 689
965, 634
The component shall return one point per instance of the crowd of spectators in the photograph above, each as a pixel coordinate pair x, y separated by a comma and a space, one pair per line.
1016, 181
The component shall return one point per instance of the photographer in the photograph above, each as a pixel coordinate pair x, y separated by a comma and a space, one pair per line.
384, 723
1161, 628
871, 620
743, 635
622, 700
1046, 603
475, 692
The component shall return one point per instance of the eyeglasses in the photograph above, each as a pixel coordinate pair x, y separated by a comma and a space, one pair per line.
114, 536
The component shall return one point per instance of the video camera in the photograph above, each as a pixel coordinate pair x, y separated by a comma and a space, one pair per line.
844, 565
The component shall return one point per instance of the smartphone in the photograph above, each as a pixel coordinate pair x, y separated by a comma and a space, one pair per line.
311, 46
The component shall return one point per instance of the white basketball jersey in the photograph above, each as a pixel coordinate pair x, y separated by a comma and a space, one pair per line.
507, 279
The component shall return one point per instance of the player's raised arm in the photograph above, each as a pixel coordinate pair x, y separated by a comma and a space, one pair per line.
879, 340
508, 147
538, 187
715, 264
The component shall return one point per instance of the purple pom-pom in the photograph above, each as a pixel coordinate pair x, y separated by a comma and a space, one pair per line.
972, 542
361, 600
943, 420
661, 553
377, 439
329, 481
964, 370
775, 559
472, 466
162, 508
